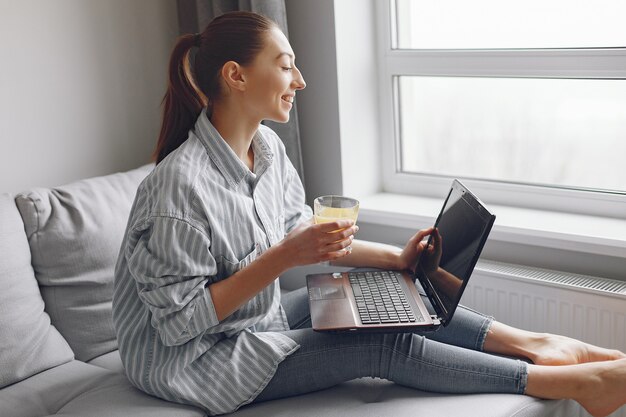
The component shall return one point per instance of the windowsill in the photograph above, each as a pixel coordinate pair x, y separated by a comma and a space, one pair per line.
545, 229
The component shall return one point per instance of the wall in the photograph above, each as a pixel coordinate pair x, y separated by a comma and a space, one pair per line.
326, 107
81, 84
312, 37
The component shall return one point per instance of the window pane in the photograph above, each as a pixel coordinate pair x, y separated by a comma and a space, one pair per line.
484, 24
566, 132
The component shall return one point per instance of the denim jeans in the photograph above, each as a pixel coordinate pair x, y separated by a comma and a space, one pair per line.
449, 360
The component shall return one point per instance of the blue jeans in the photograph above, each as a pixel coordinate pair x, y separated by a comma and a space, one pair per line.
448, 361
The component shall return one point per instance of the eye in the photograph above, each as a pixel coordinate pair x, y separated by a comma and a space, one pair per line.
287, 68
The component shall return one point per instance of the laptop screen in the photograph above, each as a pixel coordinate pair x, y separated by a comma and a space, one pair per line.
463, 226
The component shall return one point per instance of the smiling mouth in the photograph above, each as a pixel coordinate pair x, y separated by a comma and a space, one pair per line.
288, 99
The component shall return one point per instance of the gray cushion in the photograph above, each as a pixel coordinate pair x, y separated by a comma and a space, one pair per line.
75, 232
28, 343
368, 397
111, 361
375, 397
80, 389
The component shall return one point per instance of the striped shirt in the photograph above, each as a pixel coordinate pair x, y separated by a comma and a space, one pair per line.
198, 218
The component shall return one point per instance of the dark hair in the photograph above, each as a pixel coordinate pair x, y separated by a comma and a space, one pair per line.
234, 36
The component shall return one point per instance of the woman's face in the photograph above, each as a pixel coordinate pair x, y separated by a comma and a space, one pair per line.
272, 80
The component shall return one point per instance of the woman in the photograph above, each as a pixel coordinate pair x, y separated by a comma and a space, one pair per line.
197, 305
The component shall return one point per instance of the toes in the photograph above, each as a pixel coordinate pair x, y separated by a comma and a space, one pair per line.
619, 355
606, 354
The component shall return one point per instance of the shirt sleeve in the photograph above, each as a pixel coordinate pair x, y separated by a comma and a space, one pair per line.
296, 210
171, 263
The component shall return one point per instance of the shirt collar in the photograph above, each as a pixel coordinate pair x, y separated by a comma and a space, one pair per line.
224, 158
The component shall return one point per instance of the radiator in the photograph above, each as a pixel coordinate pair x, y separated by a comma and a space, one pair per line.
588, 308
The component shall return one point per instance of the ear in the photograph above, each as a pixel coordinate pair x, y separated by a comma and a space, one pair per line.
232, 74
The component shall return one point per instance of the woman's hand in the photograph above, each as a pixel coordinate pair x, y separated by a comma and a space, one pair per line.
311, 243
432, 254
416, 245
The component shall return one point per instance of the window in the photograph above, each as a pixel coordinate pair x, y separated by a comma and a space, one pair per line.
524, 102
495, 24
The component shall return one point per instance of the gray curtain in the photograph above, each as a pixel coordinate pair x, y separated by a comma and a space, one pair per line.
194, 15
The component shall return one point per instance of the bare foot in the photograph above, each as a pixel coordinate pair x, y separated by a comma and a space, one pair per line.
544, 348
550, 349
608, 392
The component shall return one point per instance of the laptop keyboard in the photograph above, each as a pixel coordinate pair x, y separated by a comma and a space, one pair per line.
380, 299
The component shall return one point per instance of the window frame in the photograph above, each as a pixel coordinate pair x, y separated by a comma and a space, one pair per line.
586, 63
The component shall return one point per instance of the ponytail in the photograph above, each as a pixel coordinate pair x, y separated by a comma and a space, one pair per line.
183, 100
234, 36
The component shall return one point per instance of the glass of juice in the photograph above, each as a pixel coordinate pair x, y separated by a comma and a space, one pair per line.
329, 208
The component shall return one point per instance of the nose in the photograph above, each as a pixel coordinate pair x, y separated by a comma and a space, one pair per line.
298, 80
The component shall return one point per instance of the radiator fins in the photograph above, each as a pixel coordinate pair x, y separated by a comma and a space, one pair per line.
586, 282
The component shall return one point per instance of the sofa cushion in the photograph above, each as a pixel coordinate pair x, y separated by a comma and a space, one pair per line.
79, 389
376, 397
75, 232
29, 344
369, 397
111, 361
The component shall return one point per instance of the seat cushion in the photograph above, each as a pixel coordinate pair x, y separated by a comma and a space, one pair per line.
375, 397
80, 389
368, 397
111, 361
75, 232
28, 343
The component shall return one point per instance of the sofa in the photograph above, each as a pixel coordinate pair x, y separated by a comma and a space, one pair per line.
58, 352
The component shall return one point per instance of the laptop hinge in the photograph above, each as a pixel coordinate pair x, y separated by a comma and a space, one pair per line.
431, 294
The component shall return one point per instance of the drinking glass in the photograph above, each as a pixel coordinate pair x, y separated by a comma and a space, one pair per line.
329, 208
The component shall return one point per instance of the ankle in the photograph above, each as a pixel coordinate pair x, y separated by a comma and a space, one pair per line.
506, 340
534, 345
559, 382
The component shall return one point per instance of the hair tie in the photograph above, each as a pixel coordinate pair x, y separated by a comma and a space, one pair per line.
197, 39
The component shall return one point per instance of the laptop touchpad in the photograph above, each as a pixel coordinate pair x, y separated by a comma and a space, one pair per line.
327, 292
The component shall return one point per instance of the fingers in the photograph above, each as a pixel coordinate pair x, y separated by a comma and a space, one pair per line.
420, 248
436, 244
339, 254
340, 235
331, 239
330, 256
418, 240
346, 233
338, 245
432, 244
336, 225
419, 236
338, 248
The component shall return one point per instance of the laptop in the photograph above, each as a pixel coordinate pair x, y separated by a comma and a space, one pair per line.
403, 301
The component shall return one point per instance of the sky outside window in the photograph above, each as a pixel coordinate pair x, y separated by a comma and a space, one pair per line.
567, 132
494, 24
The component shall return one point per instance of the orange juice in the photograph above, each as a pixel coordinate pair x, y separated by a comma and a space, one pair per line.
330, 208
331, 214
